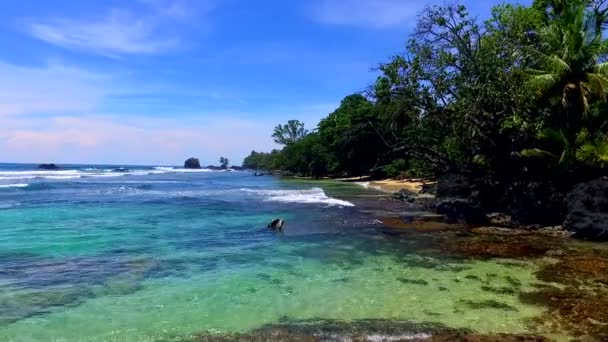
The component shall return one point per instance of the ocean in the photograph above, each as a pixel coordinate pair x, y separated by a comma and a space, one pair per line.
131, 253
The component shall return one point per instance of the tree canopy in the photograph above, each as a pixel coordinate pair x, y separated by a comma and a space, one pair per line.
520, 94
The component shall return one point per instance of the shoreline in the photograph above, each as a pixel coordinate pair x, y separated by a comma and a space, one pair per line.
572, 279
391, 186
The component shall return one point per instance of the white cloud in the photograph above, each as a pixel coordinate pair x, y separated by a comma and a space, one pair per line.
377, 14
180, 9
116, 34
140, 30
49, 89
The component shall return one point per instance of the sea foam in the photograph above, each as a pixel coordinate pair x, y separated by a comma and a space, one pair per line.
306, 196
21, 185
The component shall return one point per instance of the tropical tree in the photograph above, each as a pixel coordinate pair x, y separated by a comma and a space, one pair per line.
224, 162
572, 75
289, 133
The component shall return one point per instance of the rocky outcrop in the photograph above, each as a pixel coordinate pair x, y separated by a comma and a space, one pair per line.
192, 163
587, 210
48, 167
536, 202
454, 185
459, 209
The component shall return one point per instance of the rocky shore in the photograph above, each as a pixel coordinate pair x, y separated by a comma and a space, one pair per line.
453, 223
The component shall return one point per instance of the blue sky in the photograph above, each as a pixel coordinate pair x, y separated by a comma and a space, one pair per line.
157, 81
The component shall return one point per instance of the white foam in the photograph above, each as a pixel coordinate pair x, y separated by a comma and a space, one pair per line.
164, 168
57, 177
191, 170
93, 172
167, 169
368, 185
38, 173
307, 196
21, 185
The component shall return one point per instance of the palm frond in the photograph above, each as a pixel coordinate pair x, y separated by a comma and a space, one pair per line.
538, 153
601, 69
545, 81
553, 136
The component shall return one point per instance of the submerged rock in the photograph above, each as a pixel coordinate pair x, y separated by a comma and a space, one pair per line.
587, 210
192, 163
364, 330
48, 166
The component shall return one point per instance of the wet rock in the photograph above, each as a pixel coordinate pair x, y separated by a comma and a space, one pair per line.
555, 231
48, 167
416, 222
454, 186
500, 246
499, 231
579, 311
587, 210
276, 224
363, 330
536, 202
462, 210
556, 253
576, 270
192, 163
404, 196
500, 219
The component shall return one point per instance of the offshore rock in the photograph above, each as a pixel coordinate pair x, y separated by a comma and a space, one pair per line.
276, 224
192, 163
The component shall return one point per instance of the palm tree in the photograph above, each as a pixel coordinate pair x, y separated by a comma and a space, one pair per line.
572, 74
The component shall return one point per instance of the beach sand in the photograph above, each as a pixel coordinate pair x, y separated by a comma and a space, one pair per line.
413, 186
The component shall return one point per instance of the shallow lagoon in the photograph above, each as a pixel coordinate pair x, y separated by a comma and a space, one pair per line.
149, 255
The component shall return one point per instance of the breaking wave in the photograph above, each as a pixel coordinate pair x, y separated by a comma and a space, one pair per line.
20, 185
306, 196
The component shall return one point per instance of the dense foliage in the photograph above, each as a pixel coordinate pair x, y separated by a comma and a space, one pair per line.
519, 96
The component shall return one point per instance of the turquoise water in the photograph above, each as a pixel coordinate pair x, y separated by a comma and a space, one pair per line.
97, 254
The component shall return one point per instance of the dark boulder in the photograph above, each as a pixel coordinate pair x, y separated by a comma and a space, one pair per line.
536, 202
192, 163
48, 167
587, 210
405, 196
459, 210
276, 224
454, 185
